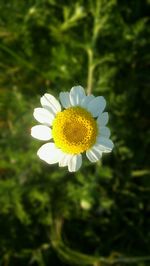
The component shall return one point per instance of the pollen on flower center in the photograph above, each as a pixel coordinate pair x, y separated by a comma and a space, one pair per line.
74, 130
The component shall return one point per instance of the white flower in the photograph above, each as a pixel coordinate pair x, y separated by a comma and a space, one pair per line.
79, 127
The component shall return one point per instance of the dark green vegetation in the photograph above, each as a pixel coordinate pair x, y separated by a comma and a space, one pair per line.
50, 46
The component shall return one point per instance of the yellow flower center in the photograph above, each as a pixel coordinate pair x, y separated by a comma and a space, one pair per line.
74, 130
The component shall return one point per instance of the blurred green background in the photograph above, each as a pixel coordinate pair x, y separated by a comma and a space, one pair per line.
50, 46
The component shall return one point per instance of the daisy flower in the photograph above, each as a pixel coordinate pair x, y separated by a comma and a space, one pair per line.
75, 126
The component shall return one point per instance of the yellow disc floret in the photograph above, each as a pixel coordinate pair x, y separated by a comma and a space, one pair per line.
74, 130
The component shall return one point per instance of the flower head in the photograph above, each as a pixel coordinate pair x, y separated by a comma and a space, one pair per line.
78, 126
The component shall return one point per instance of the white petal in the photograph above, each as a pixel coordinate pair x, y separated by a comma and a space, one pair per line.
96, 106
102, 120
65, 159
75, 163
104, 132
77, 93
41, 132
43, 116
65, 99
106, 144
86, 100
94, 154
49, 102
49, 153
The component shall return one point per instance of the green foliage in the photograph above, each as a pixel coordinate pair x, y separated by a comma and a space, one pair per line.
98, 216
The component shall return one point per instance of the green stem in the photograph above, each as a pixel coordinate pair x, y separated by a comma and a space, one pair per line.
21, 60
78, 258
90, 51
90, 71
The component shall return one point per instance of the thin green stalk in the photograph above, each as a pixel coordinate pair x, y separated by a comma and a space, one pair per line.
77, 258
21, 60
90, 51
90, 71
